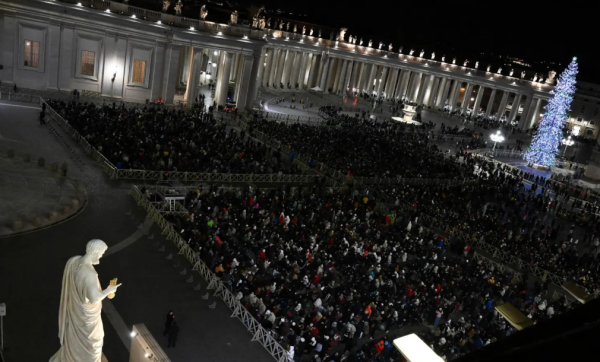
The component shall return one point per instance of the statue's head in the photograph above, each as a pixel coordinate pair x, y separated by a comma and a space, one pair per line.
95, 248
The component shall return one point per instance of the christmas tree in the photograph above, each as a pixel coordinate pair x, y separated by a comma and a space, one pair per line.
545, 144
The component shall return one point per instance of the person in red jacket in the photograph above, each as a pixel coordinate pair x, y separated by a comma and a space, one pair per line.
379, 346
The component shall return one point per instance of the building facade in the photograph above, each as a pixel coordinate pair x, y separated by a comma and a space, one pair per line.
135, 54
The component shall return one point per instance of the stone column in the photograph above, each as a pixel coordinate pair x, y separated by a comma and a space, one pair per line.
390, 82
488, 108
502, 106
416, 86
312, 71
234, 66
328, 75
422, 89
361, 76
354, 76
249, 82
434, 92
192, 86
381, 81
467, 98
394, 84
339, 64
514, 111
298, 59
329, 80
527, 110
443, 93
272, 66
287, 68
322, 73
455, 94
261, 64
304, 66
536, 112
347, 78
404, 85
478, 98
283, 54
168, 90
224, 79
428, 96
371, 79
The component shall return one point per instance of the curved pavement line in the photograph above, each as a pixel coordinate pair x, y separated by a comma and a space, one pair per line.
145, 227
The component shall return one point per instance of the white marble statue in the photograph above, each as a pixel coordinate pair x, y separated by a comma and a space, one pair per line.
178, 7
535, 77
342, 34
319, 33
400, 50
203, 12
511, 73
551, 75
488, 68
80, 327
466, 63
287, 26
262, 23
411, 52
433, 56
422, 53
443, 58
295, 28
370, 43
499, 70
522, 74
390, 47
166, 5
280, 25
360, 42
454, 60
380, 45
311, 31
234, 17
476, 65
269, 23
304, 29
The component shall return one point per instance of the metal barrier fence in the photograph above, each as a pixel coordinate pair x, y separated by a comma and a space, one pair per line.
259, 334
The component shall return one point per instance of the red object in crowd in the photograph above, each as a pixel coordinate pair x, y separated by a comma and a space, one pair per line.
379, 346
316, 280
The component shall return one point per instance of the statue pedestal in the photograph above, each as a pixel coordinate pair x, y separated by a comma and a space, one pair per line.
409, 112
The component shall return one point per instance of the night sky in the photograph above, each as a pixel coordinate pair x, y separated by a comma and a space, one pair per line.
532, 30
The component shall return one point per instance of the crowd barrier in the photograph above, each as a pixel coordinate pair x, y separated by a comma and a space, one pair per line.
259, 334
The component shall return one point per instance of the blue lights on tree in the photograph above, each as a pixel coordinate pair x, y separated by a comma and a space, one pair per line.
545, 144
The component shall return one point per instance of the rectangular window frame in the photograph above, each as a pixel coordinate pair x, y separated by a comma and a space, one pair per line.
136, 77
582, 109
86, 69
31, 57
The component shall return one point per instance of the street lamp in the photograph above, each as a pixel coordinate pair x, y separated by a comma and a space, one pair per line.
567, 142
497, 137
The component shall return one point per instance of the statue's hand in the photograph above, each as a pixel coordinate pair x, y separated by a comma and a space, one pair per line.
112, 288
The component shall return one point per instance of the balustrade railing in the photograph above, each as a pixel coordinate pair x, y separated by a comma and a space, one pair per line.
215, 284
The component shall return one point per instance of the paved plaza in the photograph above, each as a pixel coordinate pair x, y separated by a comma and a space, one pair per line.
151, 285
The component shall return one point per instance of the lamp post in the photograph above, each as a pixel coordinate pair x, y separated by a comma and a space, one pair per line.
567, 142
497, 137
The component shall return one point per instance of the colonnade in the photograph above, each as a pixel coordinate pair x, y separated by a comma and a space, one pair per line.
229, 72
305, 69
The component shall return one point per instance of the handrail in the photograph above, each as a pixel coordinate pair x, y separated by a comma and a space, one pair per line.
253, 326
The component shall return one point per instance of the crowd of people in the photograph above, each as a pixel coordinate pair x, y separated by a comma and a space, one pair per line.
169, 140
333, 279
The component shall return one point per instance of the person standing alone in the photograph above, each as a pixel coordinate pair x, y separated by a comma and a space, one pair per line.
169, 322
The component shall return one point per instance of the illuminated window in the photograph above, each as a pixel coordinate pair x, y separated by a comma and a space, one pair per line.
139, 71
88, 60
31, 56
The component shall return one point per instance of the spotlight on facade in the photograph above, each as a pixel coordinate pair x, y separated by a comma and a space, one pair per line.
133, 334
79, 4
246, 37
192, 28
159, 22
216, 53
219, 33
287, 38
133, 16
108, 11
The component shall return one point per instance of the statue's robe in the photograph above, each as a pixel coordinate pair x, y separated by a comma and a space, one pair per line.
80, 327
